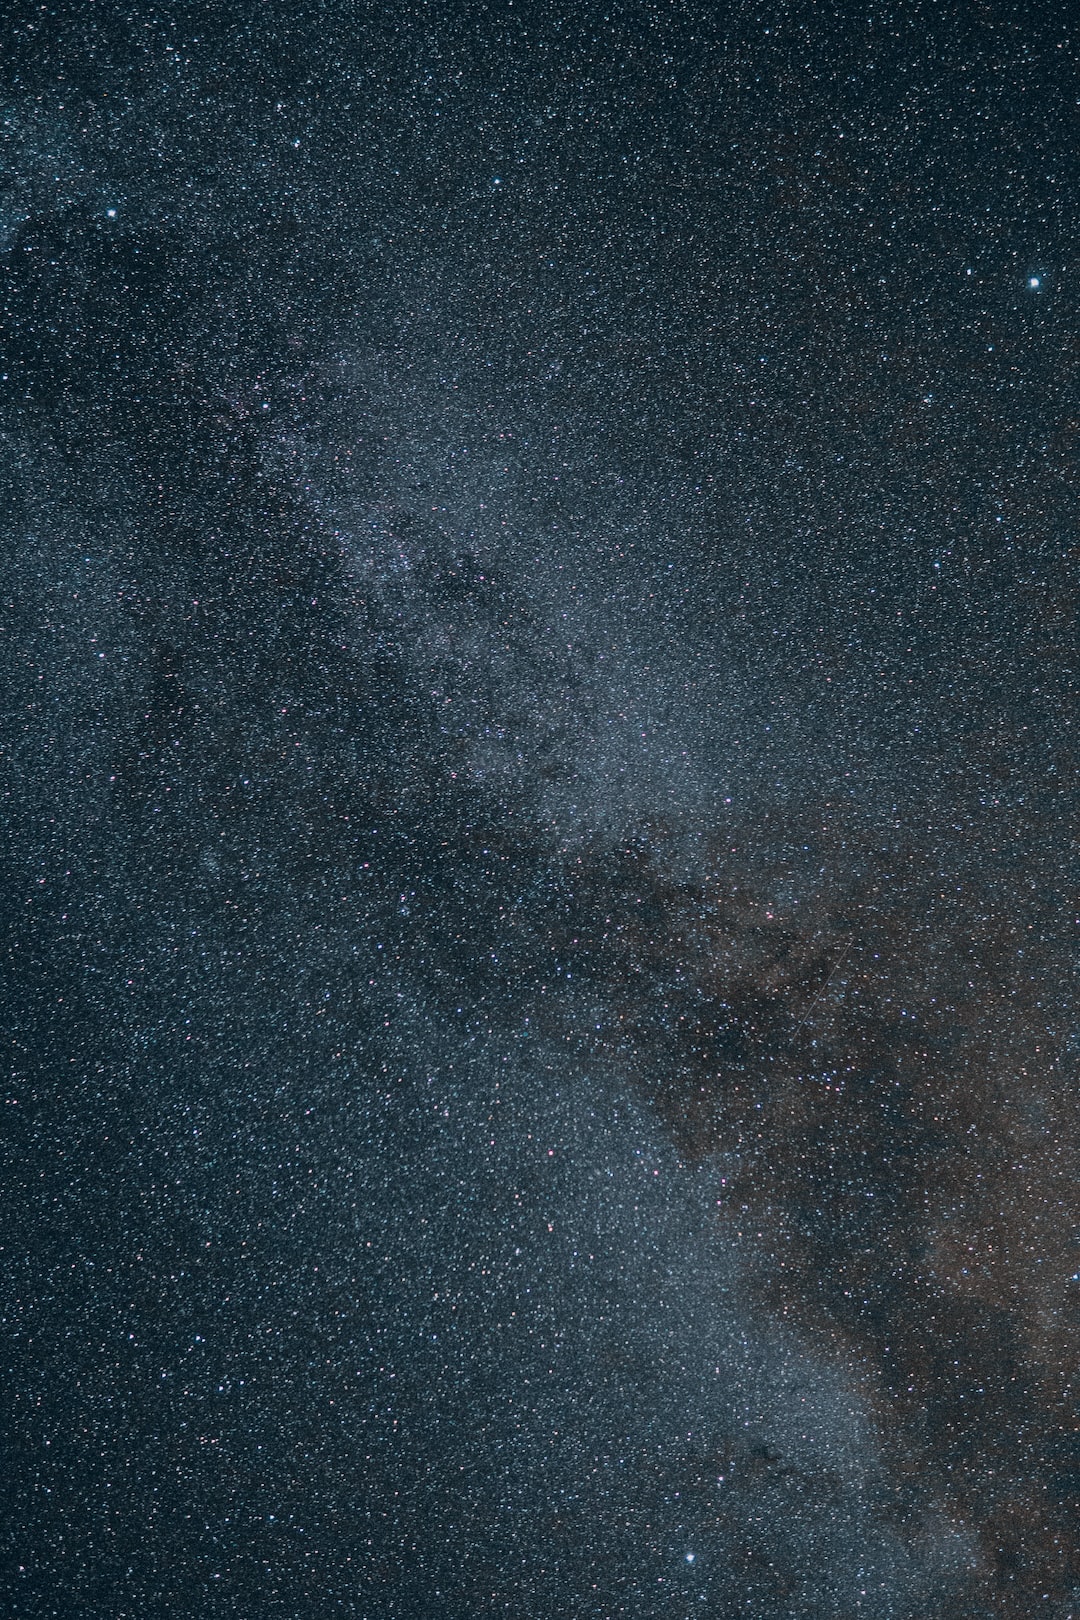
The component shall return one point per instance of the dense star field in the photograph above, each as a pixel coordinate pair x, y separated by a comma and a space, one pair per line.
540, 669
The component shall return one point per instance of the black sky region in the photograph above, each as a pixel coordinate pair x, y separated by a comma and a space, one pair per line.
539, 691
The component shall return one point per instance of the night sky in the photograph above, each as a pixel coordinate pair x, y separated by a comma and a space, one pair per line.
540, 665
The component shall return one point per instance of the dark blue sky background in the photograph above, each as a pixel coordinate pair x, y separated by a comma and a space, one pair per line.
540, 624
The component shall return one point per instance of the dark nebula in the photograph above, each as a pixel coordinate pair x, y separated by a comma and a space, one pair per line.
540, 644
